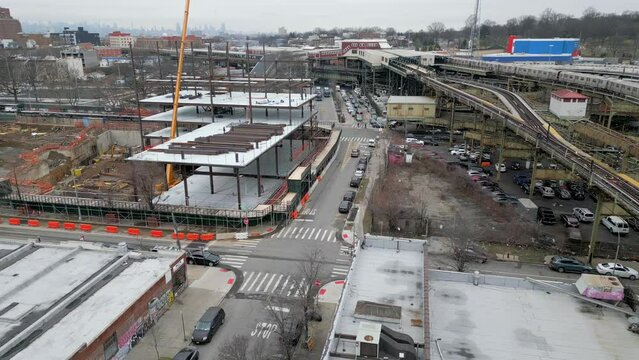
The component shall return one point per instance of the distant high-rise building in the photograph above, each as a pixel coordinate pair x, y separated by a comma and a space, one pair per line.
9, 27
282, 31
75, 37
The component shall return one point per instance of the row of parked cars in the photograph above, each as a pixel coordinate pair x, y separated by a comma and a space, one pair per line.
614, 224
356, 180
571, 264
550, 189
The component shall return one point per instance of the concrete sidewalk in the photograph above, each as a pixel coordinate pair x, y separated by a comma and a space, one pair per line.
328, 299
207, 287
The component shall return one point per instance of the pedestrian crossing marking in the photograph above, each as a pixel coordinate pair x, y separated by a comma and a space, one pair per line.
355, 138
273, 283
305, 233
339, 271
234, 260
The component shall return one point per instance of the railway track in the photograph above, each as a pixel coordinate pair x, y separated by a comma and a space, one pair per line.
623, 189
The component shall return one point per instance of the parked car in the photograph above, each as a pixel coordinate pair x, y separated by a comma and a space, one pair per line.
411, 140
431, 142
569, 264
547, 192
546, 216
345, 206
457, 152
474, 253
612, 269
563, 194
500, 167
526, 188
464, 157
578, 194
349, 196
359, 173
207, 326
363, 159
361, 166
633, 223
616, 225
188, 353
519, 179
355, 181
372, 143
583, 215
201, 257
569, 220
516, 165
355, 153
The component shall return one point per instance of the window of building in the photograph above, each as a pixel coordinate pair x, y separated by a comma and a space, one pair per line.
110, 347
410, 108
395, 107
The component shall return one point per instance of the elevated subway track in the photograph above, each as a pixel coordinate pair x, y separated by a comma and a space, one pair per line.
620, 187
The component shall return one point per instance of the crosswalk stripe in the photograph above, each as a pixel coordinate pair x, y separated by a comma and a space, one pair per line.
290, 289
304, 236
246, 280
277, 282
319, 231
257, 277
284, 286
328, 235
310, 236
262, 282
269, 282
286, 233
279, 233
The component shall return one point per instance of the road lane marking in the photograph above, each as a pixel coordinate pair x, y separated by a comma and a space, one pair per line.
257, 277
310, 236
304, 236
284, 286
319, 231
277, 283
286, 233
257, 289
269, 283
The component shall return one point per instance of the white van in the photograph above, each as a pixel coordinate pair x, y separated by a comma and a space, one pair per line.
615, 224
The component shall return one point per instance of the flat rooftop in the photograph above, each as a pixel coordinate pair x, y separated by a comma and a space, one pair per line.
511, 318
381, 274
37, 282
184, 148
410, 100
233, 99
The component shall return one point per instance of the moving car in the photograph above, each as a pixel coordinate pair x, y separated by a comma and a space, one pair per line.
201, 257
612, 269
208, 325
187, 353
345, 207
355, 153
615, 225
569, 220
546, 216
569, 264
372, 142
349, 196
583, 215
516, 165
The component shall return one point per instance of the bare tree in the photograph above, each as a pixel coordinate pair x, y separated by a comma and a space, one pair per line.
461, 236
310, 270
287, 317
11, 76
144, 177
240, 347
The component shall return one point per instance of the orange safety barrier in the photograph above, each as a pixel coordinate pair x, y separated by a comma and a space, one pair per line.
111, 229
207, 237
86, 227
306, 197
179, 235
33, 222
53, 224
319, 178
133, 231
294, 214
14, 221
193, 236
69, 226
157, 233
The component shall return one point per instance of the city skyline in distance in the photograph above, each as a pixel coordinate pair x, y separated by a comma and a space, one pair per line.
258, 16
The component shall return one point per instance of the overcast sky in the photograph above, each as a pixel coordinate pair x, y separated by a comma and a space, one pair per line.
296, 15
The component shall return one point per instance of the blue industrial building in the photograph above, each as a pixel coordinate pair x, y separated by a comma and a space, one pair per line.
555, 50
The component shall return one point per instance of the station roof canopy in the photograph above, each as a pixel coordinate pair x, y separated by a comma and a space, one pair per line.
425, 100
236, 99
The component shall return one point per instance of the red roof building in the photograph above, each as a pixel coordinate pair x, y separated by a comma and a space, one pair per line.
568, 104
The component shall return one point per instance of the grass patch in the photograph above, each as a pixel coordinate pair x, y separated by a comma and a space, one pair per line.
361, 191
367, 222
527, 254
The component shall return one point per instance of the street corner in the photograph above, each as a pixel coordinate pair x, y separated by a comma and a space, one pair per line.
216, 279
348, 236
262, 232
330, 292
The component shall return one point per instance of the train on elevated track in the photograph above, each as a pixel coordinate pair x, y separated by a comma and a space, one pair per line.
607, 84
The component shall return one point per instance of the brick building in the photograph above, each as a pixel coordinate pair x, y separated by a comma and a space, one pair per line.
9, 27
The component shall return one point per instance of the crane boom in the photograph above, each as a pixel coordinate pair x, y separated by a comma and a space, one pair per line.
170, 180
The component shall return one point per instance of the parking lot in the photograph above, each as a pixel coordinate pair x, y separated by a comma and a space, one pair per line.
558, 231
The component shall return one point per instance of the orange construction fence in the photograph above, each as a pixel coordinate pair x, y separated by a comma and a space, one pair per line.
179, 235
111, 229
86, 227
193, 236
69, 226
157, 233
133, 231
53, 224
207, 237
33, 222
14, 221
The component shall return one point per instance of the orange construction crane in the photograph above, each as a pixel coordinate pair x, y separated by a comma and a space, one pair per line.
170, 180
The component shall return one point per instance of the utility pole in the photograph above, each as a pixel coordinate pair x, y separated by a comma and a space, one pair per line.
14, 87
474, 31
137, 96
450, 125
211, 88
595, 228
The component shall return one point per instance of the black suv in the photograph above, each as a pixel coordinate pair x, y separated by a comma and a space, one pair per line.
349, 196
546, 216
355, 181
201, 257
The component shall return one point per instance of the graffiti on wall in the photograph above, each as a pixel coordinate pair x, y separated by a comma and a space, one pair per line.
136, 331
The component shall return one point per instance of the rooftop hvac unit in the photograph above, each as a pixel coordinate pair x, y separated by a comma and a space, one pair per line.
368, 336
